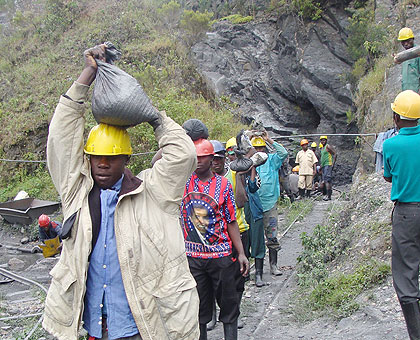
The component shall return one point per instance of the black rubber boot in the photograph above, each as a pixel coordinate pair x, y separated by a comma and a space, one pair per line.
203, 331
230, 330
259, 265
308, 193
212, 324
272, 255
411, 313
329, 193
301, 193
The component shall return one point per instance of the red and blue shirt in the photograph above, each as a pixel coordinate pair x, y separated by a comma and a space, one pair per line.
206, 210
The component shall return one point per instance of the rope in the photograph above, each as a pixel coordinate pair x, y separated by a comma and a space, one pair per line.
276, 137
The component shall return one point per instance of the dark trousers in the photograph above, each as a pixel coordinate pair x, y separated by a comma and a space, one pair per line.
406, 251
216, 278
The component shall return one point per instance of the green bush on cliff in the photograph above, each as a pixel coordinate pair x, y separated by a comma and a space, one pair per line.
237, 19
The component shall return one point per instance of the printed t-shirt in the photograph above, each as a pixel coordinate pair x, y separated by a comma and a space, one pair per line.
240, 213
206, 210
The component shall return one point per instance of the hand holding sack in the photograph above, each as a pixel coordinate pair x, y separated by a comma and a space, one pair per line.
118, 99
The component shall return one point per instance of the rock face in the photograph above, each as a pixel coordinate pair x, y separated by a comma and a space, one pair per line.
286, 75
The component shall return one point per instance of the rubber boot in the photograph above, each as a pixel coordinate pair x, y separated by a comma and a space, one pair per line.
411, 313
212, 324
259, 265
308, 193
272, 255
240, 323
203, 331
230, 330
329, 194
301, 193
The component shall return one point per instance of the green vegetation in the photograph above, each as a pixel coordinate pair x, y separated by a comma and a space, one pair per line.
336, 294
42, 56
237, 19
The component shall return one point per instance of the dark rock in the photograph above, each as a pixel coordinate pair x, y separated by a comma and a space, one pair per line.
287, 76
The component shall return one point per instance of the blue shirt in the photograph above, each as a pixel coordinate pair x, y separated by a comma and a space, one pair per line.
269, 191
105, 294
402, 164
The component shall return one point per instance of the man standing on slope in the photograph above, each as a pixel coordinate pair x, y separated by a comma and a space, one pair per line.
411, 67
401, 168
328, 158
269, 193
123, 273
307, 168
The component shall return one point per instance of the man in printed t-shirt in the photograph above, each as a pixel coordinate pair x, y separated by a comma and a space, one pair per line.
210, 231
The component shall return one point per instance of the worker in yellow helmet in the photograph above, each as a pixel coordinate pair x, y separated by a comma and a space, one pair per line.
230, 149
118, 229
328, 159
401, 168
411, 67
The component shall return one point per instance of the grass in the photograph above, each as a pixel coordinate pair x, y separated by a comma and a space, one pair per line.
34, 78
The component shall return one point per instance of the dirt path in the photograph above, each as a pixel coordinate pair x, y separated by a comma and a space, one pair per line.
267, 311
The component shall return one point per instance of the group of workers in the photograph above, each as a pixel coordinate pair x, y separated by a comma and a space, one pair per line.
128, 270
400, 167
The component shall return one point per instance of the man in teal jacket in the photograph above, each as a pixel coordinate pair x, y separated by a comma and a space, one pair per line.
411, 67
269, 193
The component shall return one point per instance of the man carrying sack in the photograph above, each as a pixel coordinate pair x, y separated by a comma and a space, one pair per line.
123, 272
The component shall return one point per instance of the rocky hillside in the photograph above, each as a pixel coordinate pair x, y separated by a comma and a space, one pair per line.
286, 74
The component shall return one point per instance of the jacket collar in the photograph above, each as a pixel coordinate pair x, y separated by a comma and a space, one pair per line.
129, 183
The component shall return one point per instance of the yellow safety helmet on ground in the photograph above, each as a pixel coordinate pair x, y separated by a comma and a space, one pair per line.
303, 142
231, 142
108, 140
323, 137
405, 34
314, 145
258, 141
407, 104
296, 169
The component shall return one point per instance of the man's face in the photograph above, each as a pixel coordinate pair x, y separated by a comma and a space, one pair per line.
203, 164
260, 148
107, 170
313, 148
218, 164
231, 156
305, 147
323, 141
407, 44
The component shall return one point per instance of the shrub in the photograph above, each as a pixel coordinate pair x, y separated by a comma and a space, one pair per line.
195, 24
237, 19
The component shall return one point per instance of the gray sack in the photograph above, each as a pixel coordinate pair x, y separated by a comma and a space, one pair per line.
118, 99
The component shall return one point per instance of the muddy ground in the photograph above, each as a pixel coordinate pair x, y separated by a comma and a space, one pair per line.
267, 312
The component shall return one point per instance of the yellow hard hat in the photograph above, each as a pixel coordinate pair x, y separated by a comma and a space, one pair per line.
296, 169
108, 140
231, 142
405, 34
323, 137
303, 142
258, 141
314, 145
407, 104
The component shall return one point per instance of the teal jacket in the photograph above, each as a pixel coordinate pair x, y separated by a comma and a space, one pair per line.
411, 75
269, 190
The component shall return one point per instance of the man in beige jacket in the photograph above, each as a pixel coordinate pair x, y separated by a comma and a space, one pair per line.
130, 224
307, 168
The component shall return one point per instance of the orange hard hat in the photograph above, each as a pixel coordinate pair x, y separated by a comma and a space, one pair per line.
43, 221
203, 147
304, 141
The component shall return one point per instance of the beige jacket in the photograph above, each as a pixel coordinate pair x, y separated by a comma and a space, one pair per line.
306, 161
159, 287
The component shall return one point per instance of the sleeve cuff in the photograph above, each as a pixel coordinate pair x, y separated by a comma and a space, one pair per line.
77, 92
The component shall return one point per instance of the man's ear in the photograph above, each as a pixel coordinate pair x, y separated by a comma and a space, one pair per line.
127, 160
